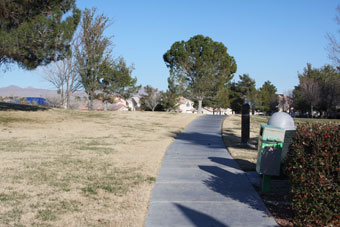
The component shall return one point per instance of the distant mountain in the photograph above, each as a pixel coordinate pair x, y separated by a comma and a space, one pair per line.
32, 92
43, 93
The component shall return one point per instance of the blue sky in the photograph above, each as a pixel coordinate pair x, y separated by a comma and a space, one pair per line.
269, 39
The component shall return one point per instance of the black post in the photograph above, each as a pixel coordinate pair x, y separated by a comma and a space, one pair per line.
245, 123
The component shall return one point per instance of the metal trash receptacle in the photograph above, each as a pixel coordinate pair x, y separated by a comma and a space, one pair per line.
269, 150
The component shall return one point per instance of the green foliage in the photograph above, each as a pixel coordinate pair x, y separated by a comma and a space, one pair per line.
218, 98
299, 103
313, 168
117, 79
267, 98
200, 66
330, 89
243, 90
170, 98
36, 32
93, 52
318, 89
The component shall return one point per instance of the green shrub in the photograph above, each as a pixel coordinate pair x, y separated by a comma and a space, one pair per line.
313, 167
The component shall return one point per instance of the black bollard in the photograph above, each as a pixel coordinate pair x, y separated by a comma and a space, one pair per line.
245, 132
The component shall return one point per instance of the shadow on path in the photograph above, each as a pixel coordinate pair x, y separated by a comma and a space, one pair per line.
198, 218
212, 140
231, 163
231, 185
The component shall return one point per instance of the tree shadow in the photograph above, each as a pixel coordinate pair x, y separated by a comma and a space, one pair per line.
198, 218
249, 166
235, 186
212, 140
217, 141
20, 107
232, 140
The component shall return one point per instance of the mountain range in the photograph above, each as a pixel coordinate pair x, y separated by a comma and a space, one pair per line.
33, 92
43, 93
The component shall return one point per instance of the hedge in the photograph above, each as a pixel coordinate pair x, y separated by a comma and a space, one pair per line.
313, 168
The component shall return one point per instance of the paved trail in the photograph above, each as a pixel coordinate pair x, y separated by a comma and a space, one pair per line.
200, 184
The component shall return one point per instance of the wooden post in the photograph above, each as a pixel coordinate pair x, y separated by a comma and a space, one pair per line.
245, 130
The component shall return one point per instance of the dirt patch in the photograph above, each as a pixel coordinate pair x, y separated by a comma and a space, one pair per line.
79, 168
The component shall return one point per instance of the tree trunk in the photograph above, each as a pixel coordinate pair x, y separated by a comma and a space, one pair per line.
68, 100
62, 97
68, 94
105, 105
199, 111
90, 105
311, 111
153, 108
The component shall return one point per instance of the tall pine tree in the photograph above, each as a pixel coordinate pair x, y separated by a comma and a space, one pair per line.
36, 32
200, 65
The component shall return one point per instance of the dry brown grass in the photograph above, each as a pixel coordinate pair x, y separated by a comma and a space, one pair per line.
73, 168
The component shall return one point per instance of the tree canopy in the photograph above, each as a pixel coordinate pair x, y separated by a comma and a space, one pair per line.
200, 65
243, 91
36, 32
117, 79
318, 89
268, 99
170, 98
93, 52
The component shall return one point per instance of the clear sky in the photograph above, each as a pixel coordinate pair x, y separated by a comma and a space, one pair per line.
269, 39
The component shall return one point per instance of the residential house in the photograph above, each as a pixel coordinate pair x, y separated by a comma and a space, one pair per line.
133, 103
186, 105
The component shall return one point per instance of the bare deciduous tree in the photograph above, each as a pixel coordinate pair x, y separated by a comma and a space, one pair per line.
151, 99
334, 44
311, 91
63, 75
285, 101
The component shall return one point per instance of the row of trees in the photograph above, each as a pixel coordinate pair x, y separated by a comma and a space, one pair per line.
318, 90
263, 99
200, 68
91, 65
36, 33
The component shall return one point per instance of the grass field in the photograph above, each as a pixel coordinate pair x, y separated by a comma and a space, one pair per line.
246, 155
73, 168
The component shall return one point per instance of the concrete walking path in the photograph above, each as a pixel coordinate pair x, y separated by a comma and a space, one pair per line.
200, 184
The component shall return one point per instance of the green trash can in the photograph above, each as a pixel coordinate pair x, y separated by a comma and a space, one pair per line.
270, 145
273, 144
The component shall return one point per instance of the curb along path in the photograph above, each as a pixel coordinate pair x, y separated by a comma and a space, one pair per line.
199, 183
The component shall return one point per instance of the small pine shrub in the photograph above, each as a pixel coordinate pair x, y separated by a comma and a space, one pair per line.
313, 167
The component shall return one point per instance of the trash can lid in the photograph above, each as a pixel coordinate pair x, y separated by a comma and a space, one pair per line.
282, 120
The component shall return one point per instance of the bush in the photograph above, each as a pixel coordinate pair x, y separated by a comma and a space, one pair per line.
313, 167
